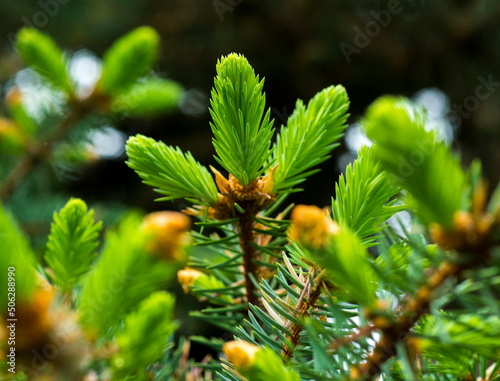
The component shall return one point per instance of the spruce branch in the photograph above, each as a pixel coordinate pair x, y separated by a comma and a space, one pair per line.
142, 340
363, 197
126, 272
363, 332
468, 235
240, 204
41, 53
336, 249
149, 97
307, 300
400, 329
310, 135
128, 59
242, 132
72, 243
174, 174
415, 160
16, 252
471, 242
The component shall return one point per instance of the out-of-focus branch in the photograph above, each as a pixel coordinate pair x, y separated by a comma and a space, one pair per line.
36, 153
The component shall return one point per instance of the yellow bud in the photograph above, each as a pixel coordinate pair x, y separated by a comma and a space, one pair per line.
12, 137
416, 344
311, 226
468, 231
14, 97
35, 322
381, 322
240, 353
187, 278
463, 221
354, 373
168, 234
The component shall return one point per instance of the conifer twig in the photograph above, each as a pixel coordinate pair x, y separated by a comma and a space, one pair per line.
470, 235
398, 331
249, 252
363, 332
311, 295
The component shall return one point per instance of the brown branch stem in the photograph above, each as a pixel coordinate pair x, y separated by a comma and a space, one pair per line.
362, 333
399, 331
311, 297
470, 242
246, 226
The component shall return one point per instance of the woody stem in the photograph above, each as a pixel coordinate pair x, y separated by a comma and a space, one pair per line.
310, 300
400, 330
246, 226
